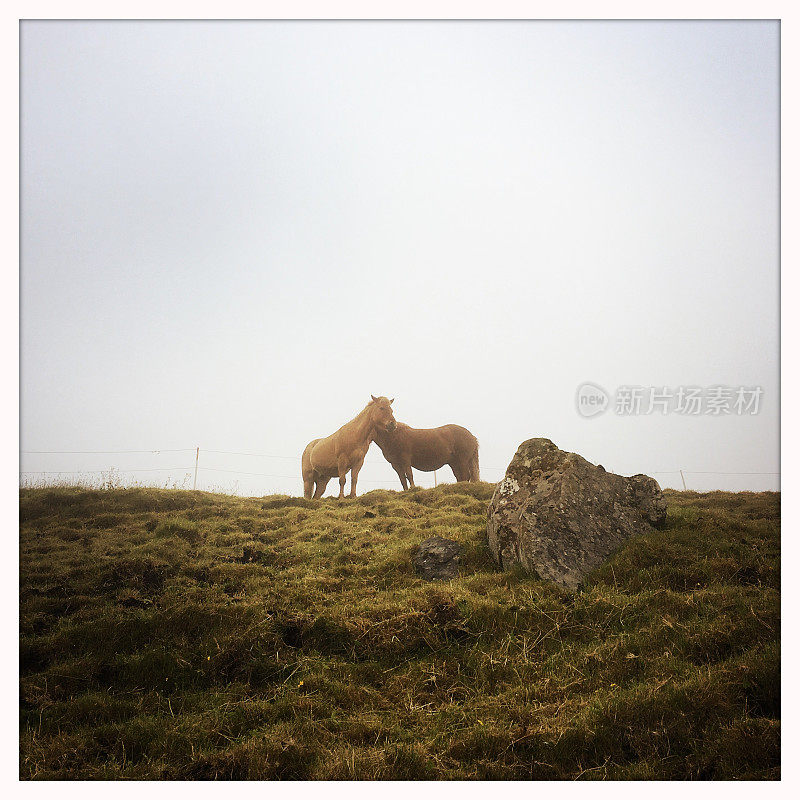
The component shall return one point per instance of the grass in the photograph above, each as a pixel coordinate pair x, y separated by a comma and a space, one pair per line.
185, 635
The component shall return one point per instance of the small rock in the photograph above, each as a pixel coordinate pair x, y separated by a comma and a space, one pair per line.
438, 559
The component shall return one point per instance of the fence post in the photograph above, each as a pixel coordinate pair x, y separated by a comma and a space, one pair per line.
683, 479
196, 460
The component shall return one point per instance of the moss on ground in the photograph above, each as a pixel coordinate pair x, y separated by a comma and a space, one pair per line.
185, 635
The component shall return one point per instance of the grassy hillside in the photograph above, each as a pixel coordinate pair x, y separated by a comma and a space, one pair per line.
170, 634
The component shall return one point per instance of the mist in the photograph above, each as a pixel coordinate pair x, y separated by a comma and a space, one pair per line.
233, 233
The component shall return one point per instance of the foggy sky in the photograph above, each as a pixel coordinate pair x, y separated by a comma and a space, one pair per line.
234, 233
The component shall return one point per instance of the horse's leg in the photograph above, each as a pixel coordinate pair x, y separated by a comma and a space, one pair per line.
459, 472
308, 487
321, 484
354, 470
401, 473
410, 476
343, 467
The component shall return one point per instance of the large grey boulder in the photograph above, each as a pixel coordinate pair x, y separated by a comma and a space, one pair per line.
559, 516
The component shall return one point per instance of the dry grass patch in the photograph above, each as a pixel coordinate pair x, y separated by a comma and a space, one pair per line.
171, 634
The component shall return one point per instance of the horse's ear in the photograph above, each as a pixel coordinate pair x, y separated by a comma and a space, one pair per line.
373, 398
391, 401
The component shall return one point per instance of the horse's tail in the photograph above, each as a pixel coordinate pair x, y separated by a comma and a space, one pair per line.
474, 468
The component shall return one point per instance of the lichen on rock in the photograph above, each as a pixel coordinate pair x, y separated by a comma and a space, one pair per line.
559, 516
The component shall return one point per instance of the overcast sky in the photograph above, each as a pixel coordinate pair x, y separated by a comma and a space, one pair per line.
234, 233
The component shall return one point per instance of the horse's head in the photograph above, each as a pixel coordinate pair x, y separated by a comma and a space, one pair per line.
381, 413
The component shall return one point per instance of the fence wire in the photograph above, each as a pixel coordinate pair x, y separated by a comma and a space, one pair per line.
197, 466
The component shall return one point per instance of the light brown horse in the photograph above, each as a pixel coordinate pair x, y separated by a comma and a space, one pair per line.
344, 450
428, 449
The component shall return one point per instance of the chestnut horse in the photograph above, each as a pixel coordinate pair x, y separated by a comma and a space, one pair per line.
344, 450
428, 449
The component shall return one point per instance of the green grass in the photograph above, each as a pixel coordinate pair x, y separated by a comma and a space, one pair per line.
178, 635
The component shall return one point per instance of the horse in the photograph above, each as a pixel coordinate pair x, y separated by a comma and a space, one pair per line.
344, 450
428, 449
